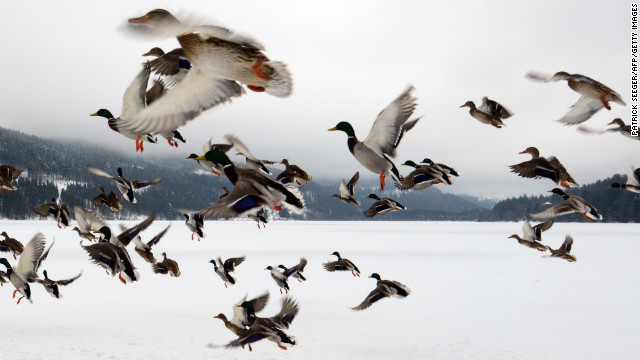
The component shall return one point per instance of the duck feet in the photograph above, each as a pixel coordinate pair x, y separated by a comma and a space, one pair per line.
250, 349
564, 184
215, 172
276, 207
138, 144
191, 237
255, 88
586, 217
605, 102
59, 227
382, 181
225, 285
121, 279
280, 345
19, 300
495, 124
172, 142
14, 256
256, 69
14, 293
1, 191
122, 197
107, 271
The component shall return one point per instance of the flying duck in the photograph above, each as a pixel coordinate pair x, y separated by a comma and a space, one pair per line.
564, 251
571, 204
539, 167
125, 186
279, 277
341, 264
384, 288
59, 212
633, 181
347, 191
382, 206
27, 270
167, 266
223, 269
295, 271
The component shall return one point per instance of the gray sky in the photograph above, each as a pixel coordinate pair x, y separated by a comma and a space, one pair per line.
66, 59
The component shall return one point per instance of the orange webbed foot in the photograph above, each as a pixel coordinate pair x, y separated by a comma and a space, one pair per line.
121, 279
215, 172
14, 293
382, 181
605, 102
586, 217
256, 88
256, 69
280, 346
19, 300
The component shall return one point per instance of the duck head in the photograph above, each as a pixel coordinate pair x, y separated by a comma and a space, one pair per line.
373, 196
410, 163
615, 185
103, 113
215, 265
560, 75
531, 150
427, 161
559, 192
617, 121
375, 276
104, 231
119, 171
5, 262
469, 104
344, 126
269, 268
156, 51
155, 17
514, 236
336, 254
221, 316
215, 156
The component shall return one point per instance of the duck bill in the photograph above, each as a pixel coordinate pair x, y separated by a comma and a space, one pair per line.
94, 114
522, 152
141, 19
333, 129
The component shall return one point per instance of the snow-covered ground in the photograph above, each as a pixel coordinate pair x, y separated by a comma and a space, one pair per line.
475, 294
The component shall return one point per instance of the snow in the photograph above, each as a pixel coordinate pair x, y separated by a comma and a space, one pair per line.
475, 294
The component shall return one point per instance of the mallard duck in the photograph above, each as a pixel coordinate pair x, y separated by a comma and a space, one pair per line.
216, 169
594, 97
220, 53
422, 177
383, 139
382, 206
238, 324
59, 212
252, 190
259, 217
484, 114
564, 251
252, 161
622, 128
571, 204
295, 271
341, 264
269, 328
347, 191
195, 223
539, 167
494, 108
384, 288
167, 266
27, 270
533, 234
110, 200
10, 244
7, 174
52, 285
223, 269
279, 277
85, 235
293, 175
633, 181
87, 220
125, 186
173, 65
112, 256
144, 249
448, 170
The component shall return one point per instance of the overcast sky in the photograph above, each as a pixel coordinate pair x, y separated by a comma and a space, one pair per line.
63, 60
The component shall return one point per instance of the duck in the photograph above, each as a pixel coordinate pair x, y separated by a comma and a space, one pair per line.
633, 182
293, 175
347, 191
27, 270
220, 52
341, 264
539, 167
195, 223
252, 161
384, 137
111, 255
279, 277
216, 169
448, 170
295, 271
86, 220
52, 285
269, 328
564, 251
144, 249
622, 128
173, 65
534, 233
125, 186
382, 206
85, 235
223, 269
10, 244
133, 233
111, 200
8, 174
259, 217
529, 243
484, 115
571, 204
494, 108
167, 266
240, 321
422, 177
384, 288
252, 191
59, 212
594, 95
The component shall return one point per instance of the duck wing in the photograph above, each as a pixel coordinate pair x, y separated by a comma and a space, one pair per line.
384, 134
231, 263
375, 295
567, 244
537, 168
68, 281
127, 235
561, 208
561, 170
139, 184
30, 258
379, 207
288, 312
94, 170
352, 184
169, 63
582, 111
86, 219
197, 92
633, 177
133, 100
157, 238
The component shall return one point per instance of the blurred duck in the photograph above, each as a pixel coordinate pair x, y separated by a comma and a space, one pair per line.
240, 321
111, 255
633, 182
347, 191
489, 112
7, 175
383, 139
293, 175
110, 200
280, 278
252, 161
384, 288
125, 186
27, 270
594, 95
259, 217
167, 266
295, 271
564, 251
195, 223
622, 128
571, 204
539, 167
52, 286
59, 212
144, 249
173, 65
341, 264
423, 177
224, 269
10, 244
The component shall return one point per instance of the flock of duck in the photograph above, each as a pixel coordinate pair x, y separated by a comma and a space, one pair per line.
208, 70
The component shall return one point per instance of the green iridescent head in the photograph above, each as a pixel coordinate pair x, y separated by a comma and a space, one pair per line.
104, 113
344, 126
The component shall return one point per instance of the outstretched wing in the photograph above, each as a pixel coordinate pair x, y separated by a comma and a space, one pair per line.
581, 111
373, 296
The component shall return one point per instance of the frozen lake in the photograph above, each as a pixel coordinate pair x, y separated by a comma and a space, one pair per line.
475, 294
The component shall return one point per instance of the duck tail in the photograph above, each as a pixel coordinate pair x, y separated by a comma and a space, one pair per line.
280, 83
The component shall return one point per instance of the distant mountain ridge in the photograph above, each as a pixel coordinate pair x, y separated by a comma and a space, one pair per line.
55, 168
